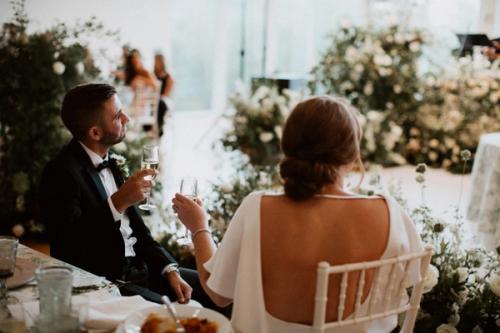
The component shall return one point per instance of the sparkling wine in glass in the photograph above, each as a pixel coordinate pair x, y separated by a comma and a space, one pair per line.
150, 160
189, 188
8, 251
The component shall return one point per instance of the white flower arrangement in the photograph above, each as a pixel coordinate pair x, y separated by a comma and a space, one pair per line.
258, 123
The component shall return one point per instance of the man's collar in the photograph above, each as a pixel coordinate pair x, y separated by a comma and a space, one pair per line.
95, 158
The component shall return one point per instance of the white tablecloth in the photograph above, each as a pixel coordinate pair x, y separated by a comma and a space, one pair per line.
484, 205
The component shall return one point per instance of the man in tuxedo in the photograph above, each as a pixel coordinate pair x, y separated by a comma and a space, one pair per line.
89, 207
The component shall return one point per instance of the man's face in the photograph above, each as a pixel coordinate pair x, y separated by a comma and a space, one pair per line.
113, 122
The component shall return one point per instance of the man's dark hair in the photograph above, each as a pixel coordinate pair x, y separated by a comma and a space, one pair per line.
82, 105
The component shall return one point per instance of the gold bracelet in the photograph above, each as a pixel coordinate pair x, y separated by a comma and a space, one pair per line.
197, 232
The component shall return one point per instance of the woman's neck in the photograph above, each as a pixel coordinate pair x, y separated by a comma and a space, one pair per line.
336, 188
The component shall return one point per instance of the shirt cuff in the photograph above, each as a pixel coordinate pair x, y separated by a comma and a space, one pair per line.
166, 269
116, 214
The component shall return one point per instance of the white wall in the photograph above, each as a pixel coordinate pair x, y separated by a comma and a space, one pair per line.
142, 24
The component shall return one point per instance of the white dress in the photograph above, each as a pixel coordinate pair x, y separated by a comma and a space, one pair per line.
236, 270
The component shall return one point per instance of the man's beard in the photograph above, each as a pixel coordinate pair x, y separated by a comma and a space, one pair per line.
110, 139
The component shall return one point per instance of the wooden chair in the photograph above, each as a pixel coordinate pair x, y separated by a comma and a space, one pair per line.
382, 290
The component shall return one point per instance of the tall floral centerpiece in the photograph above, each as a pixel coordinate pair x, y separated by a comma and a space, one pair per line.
257, 123
376, 69
36, 70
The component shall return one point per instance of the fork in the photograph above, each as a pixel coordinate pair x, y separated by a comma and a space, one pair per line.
178, 326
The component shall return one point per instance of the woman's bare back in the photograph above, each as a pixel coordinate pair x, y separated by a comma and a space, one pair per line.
296, 236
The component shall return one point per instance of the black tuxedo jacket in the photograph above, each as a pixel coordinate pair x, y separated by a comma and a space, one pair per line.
81, 227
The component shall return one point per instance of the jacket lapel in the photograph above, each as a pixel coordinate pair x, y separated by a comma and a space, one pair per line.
88, 167
92, 172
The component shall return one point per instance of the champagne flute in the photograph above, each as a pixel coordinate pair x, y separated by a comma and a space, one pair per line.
189, 188
150, 160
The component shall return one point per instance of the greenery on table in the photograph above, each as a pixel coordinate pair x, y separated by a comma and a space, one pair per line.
37, 68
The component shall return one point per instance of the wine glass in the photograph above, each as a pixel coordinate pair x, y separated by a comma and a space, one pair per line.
8, 250
150, 160
189, 188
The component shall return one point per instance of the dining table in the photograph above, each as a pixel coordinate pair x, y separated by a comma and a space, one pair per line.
106, 308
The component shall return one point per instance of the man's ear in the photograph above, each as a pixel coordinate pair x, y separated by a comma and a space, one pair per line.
95, 133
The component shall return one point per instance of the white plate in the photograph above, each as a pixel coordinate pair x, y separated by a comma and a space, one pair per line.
133, 323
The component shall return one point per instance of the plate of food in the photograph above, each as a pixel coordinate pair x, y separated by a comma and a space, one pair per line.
158, 320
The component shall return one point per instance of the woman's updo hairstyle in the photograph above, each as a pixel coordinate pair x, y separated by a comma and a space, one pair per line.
320, 135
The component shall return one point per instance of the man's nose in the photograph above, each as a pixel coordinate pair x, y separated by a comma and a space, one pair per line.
125, 118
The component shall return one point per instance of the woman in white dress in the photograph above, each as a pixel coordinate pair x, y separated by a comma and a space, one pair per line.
266, 263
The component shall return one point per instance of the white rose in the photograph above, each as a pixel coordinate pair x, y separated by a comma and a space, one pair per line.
18, 230
397, 89
399, 38
279, 131
347, 85
368, 89
58, 68
434, 143
351, 52
431, 278
266, 136
241, 120
463, 273
226, 188
494, 283
374, 116
359, 68
389, 105
494, 97
382, 59
433, 156
80, 68
56, 55
415, 46
446, 328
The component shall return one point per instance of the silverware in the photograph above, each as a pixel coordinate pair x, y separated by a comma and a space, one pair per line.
178, 326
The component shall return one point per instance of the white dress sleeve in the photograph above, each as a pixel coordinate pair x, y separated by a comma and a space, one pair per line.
409, 240
223, 266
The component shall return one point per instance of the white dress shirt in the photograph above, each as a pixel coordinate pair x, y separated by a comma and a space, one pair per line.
110, 186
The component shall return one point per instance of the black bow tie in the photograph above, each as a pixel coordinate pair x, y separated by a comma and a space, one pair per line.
105, 164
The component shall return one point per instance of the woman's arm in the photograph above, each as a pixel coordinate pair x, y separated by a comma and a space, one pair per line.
169, 85
193, 217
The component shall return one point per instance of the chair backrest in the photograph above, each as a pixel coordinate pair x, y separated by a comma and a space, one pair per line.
388, 295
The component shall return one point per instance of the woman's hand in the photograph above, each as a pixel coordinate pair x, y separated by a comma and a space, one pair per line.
190, 212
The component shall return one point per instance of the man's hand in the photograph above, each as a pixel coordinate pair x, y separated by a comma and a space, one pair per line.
180, 287
134, 190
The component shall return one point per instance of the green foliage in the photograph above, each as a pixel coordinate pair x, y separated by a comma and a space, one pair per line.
36, 69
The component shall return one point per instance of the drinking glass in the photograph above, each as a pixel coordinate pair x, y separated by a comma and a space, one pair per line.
54, 288
8, 250
150, 160
189, 188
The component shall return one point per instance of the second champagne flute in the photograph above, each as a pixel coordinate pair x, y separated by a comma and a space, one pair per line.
189, 188
150, 160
